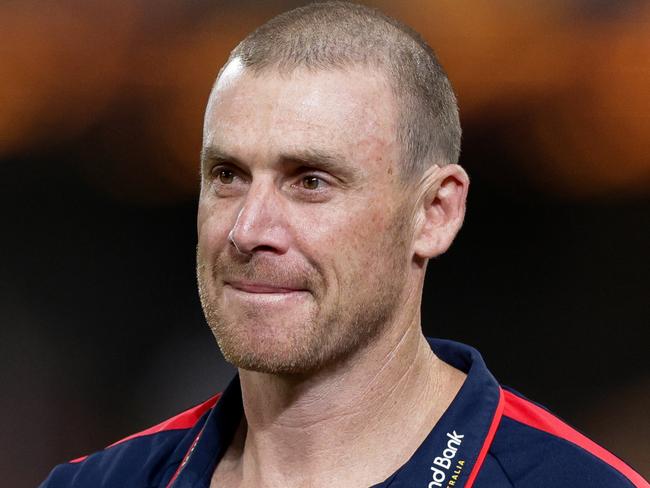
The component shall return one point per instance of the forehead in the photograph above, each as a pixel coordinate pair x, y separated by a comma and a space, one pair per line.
350, 111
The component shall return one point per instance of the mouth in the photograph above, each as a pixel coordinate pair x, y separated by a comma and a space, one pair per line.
262, 288
263, 295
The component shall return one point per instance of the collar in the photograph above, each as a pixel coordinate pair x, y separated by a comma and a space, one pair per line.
455, 448
453, 451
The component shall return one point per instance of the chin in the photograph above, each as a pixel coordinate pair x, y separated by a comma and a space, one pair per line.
271, 359
281, 347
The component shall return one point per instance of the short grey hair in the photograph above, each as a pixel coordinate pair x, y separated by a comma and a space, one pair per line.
341, 35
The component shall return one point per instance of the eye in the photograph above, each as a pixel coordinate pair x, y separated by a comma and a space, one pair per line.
311, 182
226, 176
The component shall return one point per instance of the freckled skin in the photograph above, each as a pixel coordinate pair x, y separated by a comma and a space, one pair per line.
345, 349
348, 248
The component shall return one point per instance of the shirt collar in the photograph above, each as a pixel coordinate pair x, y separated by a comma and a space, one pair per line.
453, 450
456, 446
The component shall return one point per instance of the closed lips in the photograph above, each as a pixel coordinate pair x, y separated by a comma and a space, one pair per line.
252, 287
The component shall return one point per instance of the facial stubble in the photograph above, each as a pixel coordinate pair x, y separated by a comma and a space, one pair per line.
335, 328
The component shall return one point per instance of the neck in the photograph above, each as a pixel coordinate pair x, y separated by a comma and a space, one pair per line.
300, 432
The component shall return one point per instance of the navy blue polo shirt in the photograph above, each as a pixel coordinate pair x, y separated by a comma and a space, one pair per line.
489, 436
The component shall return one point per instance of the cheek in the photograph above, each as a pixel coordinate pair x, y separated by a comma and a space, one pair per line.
212, 229
348, 242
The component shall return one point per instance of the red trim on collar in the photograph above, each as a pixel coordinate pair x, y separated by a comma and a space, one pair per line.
186, 458
488, 441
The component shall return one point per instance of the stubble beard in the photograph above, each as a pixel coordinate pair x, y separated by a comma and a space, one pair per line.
329, 335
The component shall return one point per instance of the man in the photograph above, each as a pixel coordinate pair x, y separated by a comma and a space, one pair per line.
329, 179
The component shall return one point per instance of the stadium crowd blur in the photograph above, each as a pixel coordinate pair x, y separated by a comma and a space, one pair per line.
101, 104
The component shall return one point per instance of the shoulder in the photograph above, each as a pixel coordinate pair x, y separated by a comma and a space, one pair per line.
140, 460
534, 448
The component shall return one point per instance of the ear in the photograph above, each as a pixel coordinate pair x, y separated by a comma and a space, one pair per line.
440, 209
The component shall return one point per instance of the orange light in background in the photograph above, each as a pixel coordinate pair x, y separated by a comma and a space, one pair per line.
62, 65
94, 77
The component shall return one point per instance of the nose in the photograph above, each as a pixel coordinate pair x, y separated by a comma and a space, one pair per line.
261, 224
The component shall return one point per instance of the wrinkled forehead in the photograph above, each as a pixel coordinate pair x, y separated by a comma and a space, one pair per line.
353, 109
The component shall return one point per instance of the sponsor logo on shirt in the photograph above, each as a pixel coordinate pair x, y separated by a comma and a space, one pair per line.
444, 468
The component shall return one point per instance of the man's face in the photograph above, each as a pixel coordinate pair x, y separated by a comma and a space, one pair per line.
303, 231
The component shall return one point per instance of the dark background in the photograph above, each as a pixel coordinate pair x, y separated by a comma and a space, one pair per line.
101, 331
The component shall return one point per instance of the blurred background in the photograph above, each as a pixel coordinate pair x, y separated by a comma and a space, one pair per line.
101, 105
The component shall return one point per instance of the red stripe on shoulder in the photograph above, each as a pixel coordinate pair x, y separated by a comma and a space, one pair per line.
534, 416
184, 420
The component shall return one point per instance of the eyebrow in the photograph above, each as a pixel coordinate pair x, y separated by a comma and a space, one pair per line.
330, 162
212, 154
327, 161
